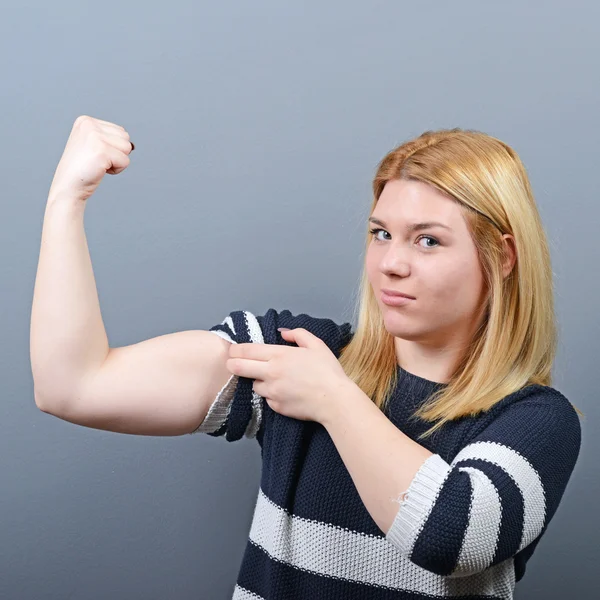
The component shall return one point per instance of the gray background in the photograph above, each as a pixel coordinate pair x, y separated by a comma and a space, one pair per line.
258, 128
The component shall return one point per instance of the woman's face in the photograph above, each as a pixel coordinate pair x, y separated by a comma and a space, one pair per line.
438, 266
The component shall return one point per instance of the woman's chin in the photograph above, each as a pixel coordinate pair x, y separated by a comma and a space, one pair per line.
400, 326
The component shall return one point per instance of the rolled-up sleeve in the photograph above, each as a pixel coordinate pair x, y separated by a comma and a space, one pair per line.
496, 497
238, 411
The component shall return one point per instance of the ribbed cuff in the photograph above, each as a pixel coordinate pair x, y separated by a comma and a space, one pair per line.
419, 500
219, 409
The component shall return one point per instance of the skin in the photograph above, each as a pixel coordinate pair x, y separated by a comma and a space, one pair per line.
440, 268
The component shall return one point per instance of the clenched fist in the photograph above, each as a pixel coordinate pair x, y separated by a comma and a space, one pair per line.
94, 148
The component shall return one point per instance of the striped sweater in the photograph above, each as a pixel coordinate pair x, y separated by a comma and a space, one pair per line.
470, 520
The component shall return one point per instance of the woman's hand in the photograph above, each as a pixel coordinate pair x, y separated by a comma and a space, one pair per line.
94, 148
303, 383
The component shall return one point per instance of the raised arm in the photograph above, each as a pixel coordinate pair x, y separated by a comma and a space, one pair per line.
161, 386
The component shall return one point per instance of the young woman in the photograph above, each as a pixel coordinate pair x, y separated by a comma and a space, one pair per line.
422, 454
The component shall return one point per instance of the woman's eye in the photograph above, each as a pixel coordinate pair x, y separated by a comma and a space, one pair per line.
428, 237
374, 233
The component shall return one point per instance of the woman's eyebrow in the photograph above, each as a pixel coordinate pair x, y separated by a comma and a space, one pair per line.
414, 226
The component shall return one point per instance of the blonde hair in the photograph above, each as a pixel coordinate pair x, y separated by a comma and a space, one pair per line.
516, 343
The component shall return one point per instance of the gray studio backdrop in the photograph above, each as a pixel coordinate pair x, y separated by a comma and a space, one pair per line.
258, 127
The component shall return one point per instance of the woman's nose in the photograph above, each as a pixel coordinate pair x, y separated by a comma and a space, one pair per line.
395, 260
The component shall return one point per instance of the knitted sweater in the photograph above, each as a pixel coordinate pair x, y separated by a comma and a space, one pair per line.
472, 516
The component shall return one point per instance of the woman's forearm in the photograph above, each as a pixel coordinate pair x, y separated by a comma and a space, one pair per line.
381, 460
67, 335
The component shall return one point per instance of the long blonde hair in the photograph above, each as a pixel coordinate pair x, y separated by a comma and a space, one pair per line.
516, 344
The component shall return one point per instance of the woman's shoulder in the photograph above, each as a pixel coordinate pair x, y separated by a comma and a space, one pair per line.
538, 407
543, 396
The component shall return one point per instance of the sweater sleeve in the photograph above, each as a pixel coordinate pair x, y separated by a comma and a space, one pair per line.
238, 411
497, 496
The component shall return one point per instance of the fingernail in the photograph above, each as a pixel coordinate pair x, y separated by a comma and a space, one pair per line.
283, 329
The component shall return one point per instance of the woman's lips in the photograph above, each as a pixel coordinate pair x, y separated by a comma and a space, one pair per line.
390, 292
395, 300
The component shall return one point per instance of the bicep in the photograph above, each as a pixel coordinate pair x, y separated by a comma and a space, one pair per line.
160, 386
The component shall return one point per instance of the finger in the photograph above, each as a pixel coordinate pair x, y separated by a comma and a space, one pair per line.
109, 124
252, 369
119, 142
119, 160
260, 387
255, 351
106, 129
303, 338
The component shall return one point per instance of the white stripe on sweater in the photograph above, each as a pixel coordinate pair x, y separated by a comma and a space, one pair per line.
525, 477
240, 593
337, 552
477, 551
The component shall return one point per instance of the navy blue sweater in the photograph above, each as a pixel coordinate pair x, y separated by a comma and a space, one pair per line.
470, 520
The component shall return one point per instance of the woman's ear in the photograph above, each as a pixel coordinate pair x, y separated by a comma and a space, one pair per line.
510, 254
